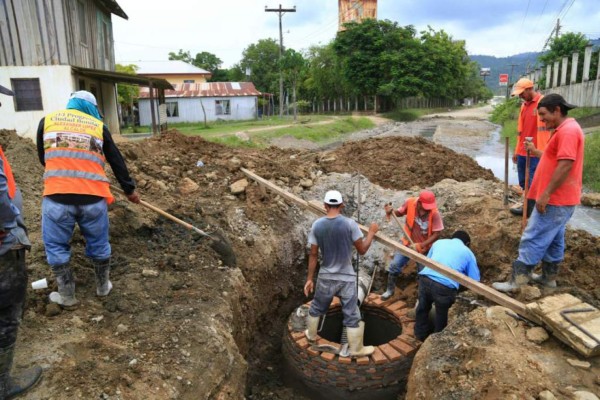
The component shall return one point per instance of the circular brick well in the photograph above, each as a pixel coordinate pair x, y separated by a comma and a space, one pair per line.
325, 375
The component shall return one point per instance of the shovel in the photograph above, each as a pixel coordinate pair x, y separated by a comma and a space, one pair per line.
401, 227
218, 244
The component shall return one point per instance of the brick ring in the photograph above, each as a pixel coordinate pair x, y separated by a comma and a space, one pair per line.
379, 375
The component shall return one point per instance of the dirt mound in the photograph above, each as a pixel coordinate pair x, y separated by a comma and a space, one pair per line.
401, 162
486, 354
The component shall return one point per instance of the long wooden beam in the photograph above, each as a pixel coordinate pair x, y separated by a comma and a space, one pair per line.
477, 287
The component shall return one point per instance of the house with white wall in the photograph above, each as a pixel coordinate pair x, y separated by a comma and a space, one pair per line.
49, 49
190, 102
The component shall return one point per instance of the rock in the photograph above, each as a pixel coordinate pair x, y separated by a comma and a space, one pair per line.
306, 183
133, 362
122, 328
297, 189
150, 273
243, 136
212, 176
234, 164
583, 395
77, 322
590, 199
52, 310
239, 187
579, 364
161, 185
537, 335
546, 395
531, 293
188, 186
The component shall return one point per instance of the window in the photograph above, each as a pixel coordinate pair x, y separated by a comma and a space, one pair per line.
82, 24
189, 81
28, 96
172, 109
222, 107
82, 84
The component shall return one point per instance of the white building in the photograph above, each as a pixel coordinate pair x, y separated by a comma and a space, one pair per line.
49, 49
190, 102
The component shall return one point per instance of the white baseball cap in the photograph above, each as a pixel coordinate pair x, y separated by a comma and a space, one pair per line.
333, 198
84, 95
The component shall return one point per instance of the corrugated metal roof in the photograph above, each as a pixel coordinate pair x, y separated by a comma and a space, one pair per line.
114, 8
167, 68
119, 77
209, 89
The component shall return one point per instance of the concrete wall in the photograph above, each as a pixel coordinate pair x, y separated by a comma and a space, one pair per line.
56, 85
190, 110
583, 93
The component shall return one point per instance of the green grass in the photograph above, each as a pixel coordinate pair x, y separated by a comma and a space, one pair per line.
224, 127
317, 133
591, 161
412, 114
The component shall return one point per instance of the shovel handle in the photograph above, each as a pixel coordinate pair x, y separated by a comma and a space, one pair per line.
402, 227
165, 214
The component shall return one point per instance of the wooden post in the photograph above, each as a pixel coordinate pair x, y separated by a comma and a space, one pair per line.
506, 156
152, 108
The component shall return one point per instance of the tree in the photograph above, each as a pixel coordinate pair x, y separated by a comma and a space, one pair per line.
127, 93
262, 60
181, 55
292, 65
207, 61
324, 74
564, 46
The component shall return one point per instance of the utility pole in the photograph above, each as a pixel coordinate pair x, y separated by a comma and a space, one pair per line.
281, 11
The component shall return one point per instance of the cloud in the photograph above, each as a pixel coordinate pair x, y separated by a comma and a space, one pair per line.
226, 27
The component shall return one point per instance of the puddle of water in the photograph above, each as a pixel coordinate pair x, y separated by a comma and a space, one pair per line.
586, 218
428, 131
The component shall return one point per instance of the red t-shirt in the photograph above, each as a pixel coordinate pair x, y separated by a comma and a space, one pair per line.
530, 125
565, 144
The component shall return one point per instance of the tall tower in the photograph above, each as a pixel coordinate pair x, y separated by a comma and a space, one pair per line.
356, 11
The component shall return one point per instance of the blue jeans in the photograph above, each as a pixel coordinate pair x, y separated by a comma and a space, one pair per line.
399, 262
346, 291
544, 236
521, 163
58, 223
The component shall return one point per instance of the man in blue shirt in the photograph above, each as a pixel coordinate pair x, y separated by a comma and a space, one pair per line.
435, 288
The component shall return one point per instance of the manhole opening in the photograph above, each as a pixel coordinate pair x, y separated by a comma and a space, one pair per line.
381, 327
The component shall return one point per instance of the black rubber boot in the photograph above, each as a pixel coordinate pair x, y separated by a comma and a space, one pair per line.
391, 287
66, 286
520, 276
548, 276
103, 283
13, 386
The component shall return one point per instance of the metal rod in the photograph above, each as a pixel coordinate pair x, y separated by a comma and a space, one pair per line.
564, 313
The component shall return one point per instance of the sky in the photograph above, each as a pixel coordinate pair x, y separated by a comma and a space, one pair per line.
226, 27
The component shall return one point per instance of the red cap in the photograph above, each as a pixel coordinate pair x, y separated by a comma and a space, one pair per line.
427, 200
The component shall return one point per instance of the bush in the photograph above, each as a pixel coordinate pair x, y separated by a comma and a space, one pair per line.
591, 162
507, 111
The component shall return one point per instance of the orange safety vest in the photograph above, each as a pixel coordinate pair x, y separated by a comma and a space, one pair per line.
10, 179
543, 133
411, 213
73, 154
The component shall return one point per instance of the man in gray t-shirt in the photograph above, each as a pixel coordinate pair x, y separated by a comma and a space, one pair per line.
335, 235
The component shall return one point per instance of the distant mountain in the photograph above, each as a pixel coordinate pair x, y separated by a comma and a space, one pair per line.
502, 65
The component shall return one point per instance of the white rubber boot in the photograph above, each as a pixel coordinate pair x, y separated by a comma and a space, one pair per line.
312, 325
355, 341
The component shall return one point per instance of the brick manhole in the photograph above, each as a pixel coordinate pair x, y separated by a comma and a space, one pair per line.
326, 375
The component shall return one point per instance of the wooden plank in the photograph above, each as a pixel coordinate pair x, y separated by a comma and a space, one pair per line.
13, 34
477, 287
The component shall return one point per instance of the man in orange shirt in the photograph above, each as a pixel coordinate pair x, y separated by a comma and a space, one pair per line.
529, 125
556, 190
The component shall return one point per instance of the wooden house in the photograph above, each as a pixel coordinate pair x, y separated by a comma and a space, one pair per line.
49, 49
